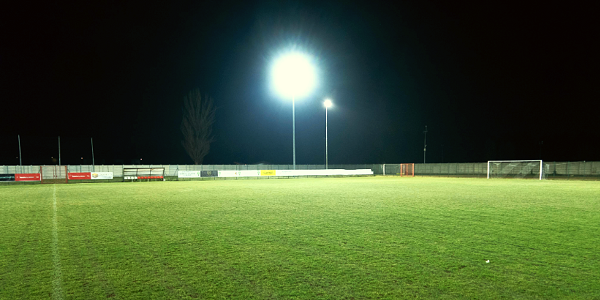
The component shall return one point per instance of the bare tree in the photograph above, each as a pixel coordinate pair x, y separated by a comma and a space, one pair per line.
196, 125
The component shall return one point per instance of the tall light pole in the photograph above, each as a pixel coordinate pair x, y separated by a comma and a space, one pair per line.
293, 76
327, 105
59, 150
294, 130
425, 144
93, 162
20, 159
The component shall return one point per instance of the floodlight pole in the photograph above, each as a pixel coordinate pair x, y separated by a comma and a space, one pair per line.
93, 162
425, 145
59, 150
294, 129
326, 152
20, 159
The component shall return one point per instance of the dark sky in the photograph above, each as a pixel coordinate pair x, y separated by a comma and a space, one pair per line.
491, 80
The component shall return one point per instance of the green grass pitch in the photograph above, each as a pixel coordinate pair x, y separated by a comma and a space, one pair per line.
312, 238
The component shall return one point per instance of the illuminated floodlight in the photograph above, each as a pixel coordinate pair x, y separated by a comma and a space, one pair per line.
294, 76
327, 103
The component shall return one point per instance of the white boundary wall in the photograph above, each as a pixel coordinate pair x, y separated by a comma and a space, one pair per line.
288, 173
328, 172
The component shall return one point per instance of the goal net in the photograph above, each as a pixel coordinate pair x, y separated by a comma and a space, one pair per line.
399, 169
54, 174
133, 174
534, 169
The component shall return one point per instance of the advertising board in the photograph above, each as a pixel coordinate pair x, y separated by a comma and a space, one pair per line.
188, 174
102, 175
80, 176
28, 177
244, 173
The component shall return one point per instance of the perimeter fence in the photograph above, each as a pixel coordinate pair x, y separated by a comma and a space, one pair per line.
554, 170
172, 170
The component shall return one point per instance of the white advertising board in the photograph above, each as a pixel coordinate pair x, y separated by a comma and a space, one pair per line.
252, 173
323, 172
245, 173
102, 175
188, 174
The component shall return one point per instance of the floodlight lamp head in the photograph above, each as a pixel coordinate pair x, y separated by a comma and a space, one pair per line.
327, 103
293, 75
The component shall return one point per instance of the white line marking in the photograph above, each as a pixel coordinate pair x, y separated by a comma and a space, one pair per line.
57, 292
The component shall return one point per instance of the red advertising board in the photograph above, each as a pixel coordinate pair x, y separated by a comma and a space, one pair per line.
28, 177
80, 176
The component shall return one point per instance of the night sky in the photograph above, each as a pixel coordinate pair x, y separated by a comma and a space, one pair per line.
491, 80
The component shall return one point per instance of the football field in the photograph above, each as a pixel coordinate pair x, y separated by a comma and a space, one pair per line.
309, 238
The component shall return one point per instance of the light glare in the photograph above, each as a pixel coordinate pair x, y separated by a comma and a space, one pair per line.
293, 75
327, 103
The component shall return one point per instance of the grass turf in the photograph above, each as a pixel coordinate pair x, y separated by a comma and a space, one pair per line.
336, 238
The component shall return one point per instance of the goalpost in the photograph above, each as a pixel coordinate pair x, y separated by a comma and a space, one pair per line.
516, 169
407, 170
399, 169
54, 174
